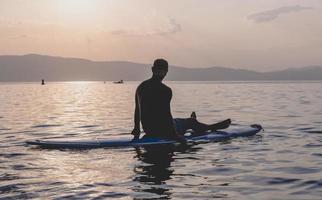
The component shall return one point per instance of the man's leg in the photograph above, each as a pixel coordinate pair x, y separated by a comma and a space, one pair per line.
198, 127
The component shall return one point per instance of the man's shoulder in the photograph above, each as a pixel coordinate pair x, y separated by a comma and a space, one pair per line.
166, 87
148, 84
143, 85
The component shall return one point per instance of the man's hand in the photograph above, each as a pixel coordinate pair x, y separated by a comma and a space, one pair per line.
136, 132
136, 137
181, 139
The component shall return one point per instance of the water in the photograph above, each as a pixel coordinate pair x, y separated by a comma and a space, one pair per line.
284, 162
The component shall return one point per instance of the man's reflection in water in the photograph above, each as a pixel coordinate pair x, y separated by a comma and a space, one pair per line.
153, 171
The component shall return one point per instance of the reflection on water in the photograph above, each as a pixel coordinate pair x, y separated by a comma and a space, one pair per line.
155, 168
153, 171
284, 162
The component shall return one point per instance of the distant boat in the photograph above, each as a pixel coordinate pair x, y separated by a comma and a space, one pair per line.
118, 82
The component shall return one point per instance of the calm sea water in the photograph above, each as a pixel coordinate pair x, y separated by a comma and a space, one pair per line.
284, 162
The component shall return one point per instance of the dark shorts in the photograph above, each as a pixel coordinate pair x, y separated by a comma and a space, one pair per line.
180, 125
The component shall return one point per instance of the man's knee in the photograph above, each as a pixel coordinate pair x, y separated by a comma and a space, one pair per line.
191, 123
192, 120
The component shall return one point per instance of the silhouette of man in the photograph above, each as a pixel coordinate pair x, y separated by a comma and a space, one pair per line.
152, 109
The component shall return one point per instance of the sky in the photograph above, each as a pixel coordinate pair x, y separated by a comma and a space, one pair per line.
260, 35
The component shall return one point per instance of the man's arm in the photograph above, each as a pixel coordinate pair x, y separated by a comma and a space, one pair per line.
175, 134
137, 117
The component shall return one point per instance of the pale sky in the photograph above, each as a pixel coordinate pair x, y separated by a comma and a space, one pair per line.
260, 35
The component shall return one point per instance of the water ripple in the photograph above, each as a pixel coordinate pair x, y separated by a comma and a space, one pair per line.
283, 162
46, 125
296, 170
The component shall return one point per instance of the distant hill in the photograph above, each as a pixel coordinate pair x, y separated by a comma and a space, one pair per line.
34, 67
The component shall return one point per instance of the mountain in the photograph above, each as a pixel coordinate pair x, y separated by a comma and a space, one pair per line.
34, 67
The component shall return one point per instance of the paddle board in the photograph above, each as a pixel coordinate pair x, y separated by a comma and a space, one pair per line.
215, 136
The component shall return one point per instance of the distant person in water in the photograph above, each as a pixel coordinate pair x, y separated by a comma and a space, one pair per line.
42, 82
121, 81
152, 109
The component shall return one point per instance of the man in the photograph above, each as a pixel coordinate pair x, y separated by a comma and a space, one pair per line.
152, 109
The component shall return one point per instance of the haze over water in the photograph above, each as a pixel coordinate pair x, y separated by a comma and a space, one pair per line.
284, 162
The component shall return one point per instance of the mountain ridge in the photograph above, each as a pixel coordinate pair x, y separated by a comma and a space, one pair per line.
33, 67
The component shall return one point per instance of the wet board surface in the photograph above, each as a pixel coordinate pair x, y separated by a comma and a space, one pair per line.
215, 136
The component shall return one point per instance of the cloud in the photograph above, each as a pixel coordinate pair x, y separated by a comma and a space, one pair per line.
170, 27
270, 15
22, 36
121, 32
35, 30
174, 27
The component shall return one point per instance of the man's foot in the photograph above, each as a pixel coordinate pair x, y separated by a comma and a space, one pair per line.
193, 115
221, 125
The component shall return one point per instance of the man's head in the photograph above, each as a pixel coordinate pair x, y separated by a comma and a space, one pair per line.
160, 68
